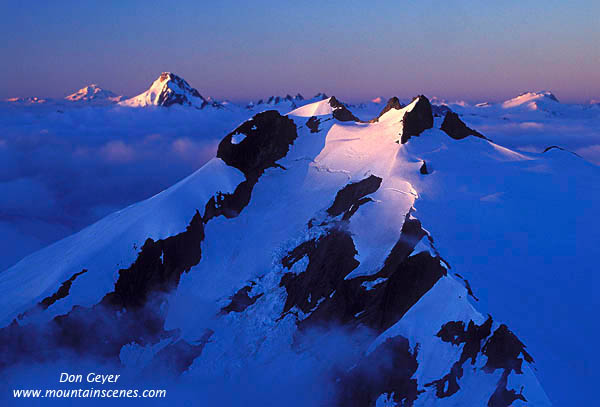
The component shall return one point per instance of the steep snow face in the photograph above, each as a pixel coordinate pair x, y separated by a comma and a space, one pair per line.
320, 108
329, 106
111, 243
531, 100
94, 94
169, 89
310, 225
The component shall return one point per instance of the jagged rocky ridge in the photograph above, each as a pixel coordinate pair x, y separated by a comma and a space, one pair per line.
315, 283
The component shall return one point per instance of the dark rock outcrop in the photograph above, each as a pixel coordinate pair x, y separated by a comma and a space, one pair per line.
269, 136
62, 292
392, 103
423, 170
158, 267
457, 129
341, 112
419, 119
323, 290
502, 349
313, 124
349, 198
331, 258
388, 369
454, 332
240, 301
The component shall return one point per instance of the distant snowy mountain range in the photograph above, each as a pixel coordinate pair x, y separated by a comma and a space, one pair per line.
170, 89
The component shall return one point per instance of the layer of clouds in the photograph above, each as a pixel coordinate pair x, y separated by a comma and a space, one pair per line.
64, 168
576, 129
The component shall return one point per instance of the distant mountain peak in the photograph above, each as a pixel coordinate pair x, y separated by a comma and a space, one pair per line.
93, 93
543, 93
277, 100
170, 89
27, 100
530, 99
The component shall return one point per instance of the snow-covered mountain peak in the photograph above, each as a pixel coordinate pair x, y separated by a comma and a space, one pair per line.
93, 93
531, 100
169, 89
329, 106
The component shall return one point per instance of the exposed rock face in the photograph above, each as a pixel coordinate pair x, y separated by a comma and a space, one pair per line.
341, 112
158, 267
62, 292
323, 292
386, 370
268, 136
331, 258
349, 198
454, 332
419, 119
392, 103
423, 170
241, 300
313, 124
502, 349
456, 128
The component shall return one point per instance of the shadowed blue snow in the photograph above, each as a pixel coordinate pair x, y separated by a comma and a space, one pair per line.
354, 49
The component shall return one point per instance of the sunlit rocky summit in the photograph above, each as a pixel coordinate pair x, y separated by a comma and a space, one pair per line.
168, 90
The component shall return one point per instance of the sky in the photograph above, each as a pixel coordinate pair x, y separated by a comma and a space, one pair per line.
460, 50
